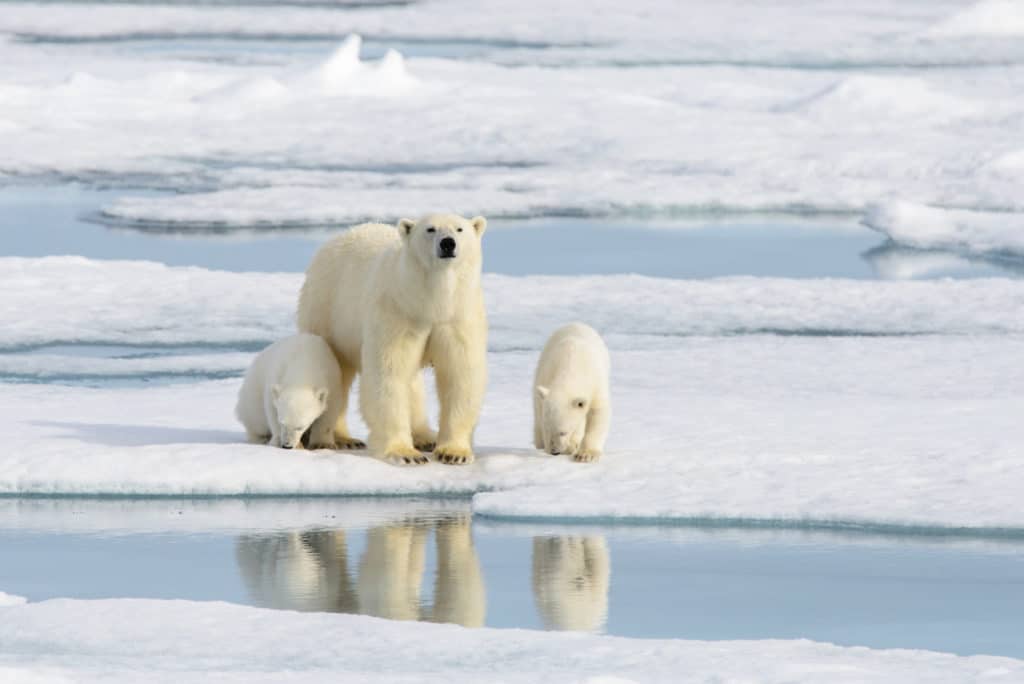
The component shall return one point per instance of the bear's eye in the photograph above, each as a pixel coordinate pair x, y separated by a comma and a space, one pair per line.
431, 229
579, 403
459, 230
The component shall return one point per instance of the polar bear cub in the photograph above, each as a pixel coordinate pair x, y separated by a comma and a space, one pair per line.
292, 386
571, 406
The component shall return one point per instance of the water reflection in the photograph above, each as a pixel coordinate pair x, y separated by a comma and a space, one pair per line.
891, 261
570, 582
313, 571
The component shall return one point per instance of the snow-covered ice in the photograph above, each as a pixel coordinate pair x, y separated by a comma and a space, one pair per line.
601, 109
76, 300
132, 640
715, 416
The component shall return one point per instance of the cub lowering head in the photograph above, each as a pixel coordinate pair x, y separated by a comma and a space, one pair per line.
563, 421
443, 238
297, 408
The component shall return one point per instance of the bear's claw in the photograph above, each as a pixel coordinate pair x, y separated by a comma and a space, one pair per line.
418, 459
586, 457
453, 458
349, 443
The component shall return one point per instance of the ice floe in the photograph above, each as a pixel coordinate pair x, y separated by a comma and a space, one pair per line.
753, 429
75, 300
957, 230
186, 641
738, 109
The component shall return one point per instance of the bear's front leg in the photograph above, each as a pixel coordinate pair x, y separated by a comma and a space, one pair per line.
596, 432
390, 360
459, 354
270, 413
321, 432
423, 437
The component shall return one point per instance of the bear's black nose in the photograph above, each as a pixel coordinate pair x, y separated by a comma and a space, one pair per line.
447, 246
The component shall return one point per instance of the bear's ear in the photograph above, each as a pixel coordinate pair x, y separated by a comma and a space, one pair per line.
479, 225
542, 391
275, 391
405, 227
321, 396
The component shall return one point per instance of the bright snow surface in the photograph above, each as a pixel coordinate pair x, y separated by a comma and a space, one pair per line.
134, 640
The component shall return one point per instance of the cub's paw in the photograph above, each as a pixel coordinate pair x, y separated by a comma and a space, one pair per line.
586, 456
451, 454
347, 443
322, 443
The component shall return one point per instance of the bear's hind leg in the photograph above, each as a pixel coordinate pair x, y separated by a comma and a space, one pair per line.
342, 438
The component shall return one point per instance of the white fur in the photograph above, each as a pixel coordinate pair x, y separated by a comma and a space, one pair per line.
571, 405
292, 385
389, 306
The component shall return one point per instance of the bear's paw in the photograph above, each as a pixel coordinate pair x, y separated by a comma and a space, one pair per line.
453, 454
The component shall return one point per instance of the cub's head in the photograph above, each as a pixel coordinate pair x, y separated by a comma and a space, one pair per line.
444, 240
563, 420
297, 408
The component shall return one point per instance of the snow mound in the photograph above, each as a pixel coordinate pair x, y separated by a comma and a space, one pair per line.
864, 99
10, 600
988, 18
344, 73
186, 641
925, 227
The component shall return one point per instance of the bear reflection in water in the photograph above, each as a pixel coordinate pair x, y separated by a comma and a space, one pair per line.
570, 582
310, 571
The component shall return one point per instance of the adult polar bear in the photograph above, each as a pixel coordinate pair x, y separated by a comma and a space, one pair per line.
391, 302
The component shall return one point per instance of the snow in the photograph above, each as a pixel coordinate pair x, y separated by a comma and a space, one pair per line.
988, 18
602, 109
9, 600
133, 640
958, 230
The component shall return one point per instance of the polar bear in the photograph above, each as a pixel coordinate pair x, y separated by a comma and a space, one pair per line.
292, 386
391, 300
571, 405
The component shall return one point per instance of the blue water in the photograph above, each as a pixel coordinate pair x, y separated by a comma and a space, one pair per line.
45, 220
963, 596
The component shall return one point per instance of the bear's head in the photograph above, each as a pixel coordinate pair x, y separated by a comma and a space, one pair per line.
563, 420
445, 240
297, 408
